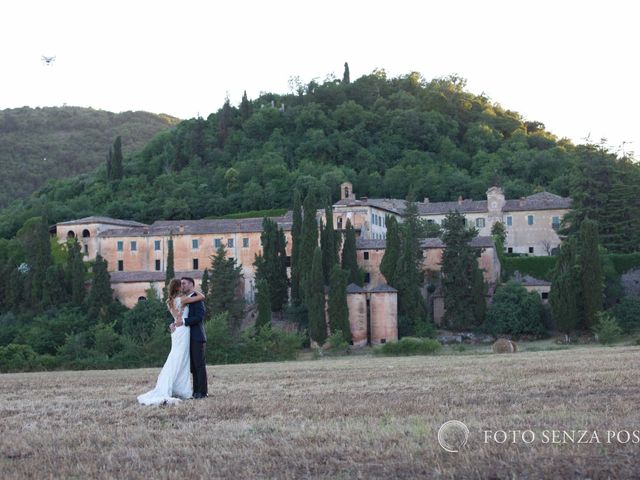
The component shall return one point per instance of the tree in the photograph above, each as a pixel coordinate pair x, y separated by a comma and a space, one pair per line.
34, 238
591, 272
225, 123
110, 164
296, 240
330, 245
169, 273
315, 300
245, 107
309, 241
460, 273
225, 280
337, 308
391, 255
204, 283
345, 76
117, 169
76, 271
565, 287
349, 255
514, 311
273, 268
100, 295
264, 304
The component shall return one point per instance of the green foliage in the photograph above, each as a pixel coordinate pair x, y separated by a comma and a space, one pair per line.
537, 267
39, 144
274, 212
264, 303
627, 313
338, 310
315, 300
117, 169
272, 266
606, 328
392, 250
624, 262
223, 296
349, 255
565, 288
308, 243
16, 358
268, 344
170, 272
76, 271
410, 346
296, 240
514, 311
461, 279
337, 345
100, 295
330, 244
591, 272
140, 323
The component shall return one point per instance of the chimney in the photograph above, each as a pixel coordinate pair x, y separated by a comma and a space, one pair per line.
521, 201
181, 229
426, 200
460, 200
145, 231
364, 199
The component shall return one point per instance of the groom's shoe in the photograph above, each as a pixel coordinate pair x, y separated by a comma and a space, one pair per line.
198, 395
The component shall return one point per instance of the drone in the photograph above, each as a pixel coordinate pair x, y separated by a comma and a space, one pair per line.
48, 60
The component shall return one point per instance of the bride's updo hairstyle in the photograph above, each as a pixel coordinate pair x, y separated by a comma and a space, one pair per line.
174, 290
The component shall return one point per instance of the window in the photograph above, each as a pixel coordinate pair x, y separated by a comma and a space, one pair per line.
134, 246
339, 223
510, 250
120, 265
217, 242
480, 222
545, 295
245, 242
366, 255
430, 220
86, 249
555, 223
156, 245
195, 264
367, 277
86, 233
529, 219
530, 249
120, 245
509, 221
157, 265
195, 243
230, 242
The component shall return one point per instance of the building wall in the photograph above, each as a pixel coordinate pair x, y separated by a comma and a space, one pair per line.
128, 293
540, 236
357, 304
384, 317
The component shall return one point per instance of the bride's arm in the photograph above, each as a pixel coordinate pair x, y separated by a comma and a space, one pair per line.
199, 296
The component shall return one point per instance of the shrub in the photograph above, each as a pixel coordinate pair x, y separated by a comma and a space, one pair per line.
607, 328
17, 358
410, 346
337, 344
515, 311
627, 312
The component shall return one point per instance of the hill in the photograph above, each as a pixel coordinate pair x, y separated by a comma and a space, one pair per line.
38, 144
388, 136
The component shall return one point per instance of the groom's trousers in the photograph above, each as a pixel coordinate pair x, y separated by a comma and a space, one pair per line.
198, 367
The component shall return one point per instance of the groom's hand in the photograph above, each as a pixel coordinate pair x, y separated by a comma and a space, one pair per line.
172, 327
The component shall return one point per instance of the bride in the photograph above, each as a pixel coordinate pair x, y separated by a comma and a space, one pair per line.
174, 381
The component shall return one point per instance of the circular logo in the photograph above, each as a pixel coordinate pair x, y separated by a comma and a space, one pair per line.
453, 435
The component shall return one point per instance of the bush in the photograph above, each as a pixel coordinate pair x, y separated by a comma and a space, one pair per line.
627, 312
337, 344
607, 328
410, 346
514, 311
624, 262
17, 358
268, 344
538, 267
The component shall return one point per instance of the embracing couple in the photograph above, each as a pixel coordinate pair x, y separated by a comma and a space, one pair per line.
188, 342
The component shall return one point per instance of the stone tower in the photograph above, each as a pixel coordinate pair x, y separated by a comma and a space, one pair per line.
346, 191
357, 305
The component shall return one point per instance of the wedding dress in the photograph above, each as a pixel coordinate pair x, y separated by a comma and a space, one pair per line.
174, 381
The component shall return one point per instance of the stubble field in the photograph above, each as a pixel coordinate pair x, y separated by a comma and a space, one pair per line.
358, 417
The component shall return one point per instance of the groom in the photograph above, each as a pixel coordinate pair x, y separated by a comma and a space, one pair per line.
195, 320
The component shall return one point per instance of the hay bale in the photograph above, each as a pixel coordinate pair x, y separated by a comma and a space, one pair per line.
503, 345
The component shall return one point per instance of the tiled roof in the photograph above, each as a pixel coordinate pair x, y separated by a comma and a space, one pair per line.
538, 201
143, 276
107, 220
392, 205
382, 288
353, 288
462, 206
379, 244
196, 227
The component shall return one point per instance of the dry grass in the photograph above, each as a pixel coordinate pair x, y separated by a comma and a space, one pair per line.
361, 417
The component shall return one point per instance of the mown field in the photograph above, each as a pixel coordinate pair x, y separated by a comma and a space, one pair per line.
357, 417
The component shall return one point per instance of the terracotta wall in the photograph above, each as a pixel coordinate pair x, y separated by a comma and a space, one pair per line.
357, 304
384, 317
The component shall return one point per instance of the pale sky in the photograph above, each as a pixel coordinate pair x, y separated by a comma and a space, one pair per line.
569, 64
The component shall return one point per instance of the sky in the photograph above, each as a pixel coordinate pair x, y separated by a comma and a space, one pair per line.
571, 65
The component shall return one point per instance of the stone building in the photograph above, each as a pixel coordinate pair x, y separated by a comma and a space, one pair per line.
373, 314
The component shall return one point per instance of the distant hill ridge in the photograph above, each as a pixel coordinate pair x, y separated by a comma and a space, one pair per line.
38, 144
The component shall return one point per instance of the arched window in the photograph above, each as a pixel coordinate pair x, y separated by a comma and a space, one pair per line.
85, 233
346, 192
71, 234
142, 299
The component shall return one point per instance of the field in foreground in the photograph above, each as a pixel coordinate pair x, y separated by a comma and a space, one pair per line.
361, 417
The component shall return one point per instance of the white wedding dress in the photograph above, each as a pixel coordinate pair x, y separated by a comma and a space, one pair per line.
174, 381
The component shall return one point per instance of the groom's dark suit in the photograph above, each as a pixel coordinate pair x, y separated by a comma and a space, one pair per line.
195, 320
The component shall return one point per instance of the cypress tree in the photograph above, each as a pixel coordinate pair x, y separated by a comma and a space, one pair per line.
337, 309
34, 238
76, 272
315, 300
117, 169
274, 263
264, 304
100, 295
459, 274
565, 288
245, 107
349, 258
225, 278
169, 271
329, 244
309, 241
296, 240
110, 164
204, 284
391, 255
345, 76
591, 272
